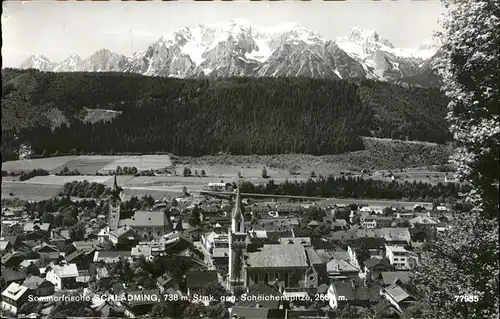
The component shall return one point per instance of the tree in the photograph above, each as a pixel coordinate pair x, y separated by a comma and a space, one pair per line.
264, 173
195, 217
313, 174
178, 225
186, 172
13, 230
68, 220
203, 174
185, 191
216, 290
77, 232
194, 311
464, 261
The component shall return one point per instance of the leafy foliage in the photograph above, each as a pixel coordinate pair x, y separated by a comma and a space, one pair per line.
465, 260
83, 189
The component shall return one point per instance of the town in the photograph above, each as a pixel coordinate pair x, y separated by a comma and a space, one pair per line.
235, 257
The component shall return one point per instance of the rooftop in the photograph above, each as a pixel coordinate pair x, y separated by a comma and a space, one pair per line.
14, 291
397, 293
390, 277
340, 265
291, 255
145, 218
65, 271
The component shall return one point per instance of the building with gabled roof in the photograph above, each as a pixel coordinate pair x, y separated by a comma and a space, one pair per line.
393, 277
147, 223
13, 297
63, 276
398, 297
39, 286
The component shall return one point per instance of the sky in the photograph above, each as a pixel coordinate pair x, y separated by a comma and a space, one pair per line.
59, 29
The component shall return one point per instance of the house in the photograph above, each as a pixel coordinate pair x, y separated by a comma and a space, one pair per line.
10, 275
45, 248
176, 242
5, 246
166, 282
34, 226
392, 277
82, 257
352, 293
398, 297
11, 259
397, 256
374, 265
141, 251
285, 263
423, 222
263, 296
124, 237
39, 286
16, 242
196, 281
215, 239
369, 223
109, 257
102, 272
365, 209
339, 224
13, 297
341, 270
140, 302
63, 276
86, 244
147, 223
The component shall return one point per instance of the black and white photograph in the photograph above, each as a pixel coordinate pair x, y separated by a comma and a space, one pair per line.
250, 159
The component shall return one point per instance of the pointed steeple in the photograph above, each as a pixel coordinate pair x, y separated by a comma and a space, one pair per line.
116, 190
238, 207
115, 185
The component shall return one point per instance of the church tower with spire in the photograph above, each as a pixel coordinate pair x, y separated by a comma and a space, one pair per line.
114, 206
237, 245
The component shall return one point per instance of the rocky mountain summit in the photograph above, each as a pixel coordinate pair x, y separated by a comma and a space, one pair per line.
238, 48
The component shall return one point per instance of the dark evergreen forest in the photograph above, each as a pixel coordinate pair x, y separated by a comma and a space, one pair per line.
197, 117
356, 187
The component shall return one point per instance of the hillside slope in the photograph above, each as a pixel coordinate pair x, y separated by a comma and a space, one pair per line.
197, 117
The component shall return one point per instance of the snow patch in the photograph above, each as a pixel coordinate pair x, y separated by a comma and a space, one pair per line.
194, 51
338, 73
262, 54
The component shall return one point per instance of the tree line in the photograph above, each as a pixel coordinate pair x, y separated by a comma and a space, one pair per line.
357, 187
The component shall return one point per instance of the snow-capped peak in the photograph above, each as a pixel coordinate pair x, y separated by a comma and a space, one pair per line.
37, 61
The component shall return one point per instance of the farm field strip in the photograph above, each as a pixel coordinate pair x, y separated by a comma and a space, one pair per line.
145, 162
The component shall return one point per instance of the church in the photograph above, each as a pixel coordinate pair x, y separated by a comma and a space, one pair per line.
285, 265
147, 224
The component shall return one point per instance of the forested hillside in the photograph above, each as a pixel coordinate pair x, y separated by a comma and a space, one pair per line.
197, 117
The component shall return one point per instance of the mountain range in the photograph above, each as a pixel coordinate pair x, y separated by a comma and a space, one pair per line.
238, 48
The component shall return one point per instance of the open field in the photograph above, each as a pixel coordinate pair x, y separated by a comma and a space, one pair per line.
47, 164
89, 164
407, 161
142, 163
30, 191
86, 164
